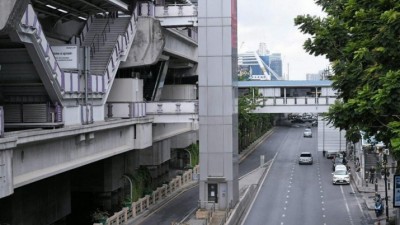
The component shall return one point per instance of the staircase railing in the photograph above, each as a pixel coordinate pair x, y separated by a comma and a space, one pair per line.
66, 81
103, 36
123, 43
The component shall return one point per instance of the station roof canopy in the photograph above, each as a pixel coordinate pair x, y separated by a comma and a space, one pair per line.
77, 9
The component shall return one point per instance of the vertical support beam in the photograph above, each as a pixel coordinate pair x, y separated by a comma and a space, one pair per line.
218, 99
6, 178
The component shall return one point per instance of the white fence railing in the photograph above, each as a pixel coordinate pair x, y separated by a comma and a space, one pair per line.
279, 101
184, 107
144, 203
175, 10
126, 109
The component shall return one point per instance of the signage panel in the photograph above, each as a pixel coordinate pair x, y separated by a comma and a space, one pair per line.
66, 56
396, 191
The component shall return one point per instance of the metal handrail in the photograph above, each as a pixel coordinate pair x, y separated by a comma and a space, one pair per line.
93, 46
103, 35
130, 25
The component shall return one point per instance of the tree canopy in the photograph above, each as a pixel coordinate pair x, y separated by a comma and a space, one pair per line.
361, 40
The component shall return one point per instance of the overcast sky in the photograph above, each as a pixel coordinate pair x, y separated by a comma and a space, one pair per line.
272, 22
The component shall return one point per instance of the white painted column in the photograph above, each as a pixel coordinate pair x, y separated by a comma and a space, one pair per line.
218, 103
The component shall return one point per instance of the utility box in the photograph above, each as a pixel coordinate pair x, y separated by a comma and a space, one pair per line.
126, 90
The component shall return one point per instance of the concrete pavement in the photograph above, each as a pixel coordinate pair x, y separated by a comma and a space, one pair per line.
368, 191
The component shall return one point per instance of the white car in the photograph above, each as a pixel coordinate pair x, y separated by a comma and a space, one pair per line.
307, 132
341, 177
306, 158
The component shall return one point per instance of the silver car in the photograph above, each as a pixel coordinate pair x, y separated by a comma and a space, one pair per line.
306, 158
307, 133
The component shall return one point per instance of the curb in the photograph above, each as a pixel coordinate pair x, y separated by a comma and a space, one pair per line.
163, 202
255, 144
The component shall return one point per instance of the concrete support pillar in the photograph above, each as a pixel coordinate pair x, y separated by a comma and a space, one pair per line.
218, 103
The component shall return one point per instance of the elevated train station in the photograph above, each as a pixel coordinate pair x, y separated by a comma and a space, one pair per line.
92, 90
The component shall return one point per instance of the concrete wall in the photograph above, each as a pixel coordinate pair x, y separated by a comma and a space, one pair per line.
184, 140
179, 92
167, 130
45, 153
126, 90
159, 153
147, 45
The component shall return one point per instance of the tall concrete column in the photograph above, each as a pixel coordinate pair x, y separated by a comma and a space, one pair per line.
218, 103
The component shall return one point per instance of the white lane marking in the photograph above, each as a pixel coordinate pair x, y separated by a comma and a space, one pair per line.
259, 188
189, 214
358, 202
347, 205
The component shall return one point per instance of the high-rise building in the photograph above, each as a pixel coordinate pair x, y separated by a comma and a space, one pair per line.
263, 50
275, 62
313, 76
321, 75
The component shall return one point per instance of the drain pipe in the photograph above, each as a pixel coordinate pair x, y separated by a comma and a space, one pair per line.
87, 68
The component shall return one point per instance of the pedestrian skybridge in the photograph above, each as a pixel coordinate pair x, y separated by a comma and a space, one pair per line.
290, 96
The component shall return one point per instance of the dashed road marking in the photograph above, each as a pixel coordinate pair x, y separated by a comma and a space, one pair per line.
347, 206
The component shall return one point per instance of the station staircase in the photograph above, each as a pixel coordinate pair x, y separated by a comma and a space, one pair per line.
101, 38
370, 160
110, 40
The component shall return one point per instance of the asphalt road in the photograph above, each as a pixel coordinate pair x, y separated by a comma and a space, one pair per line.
293, 194
178, 208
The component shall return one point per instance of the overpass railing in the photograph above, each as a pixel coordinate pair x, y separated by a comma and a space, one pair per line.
182, 107
278, 101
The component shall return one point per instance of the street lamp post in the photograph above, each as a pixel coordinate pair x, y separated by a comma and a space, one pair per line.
386, 190
130, 184
190, 157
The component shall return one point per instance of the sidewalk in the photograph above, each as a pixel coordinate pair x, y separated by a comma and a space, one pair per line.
368, 190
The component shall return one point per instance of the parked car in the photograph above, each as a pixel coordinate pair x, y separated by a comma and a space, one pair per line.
307, 132
338, 161
341, 176
297, 120
340, 167
306, 158
314, 123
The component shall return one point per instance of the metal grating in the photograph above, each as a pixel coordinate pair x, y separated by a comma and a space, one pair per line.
34, 113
